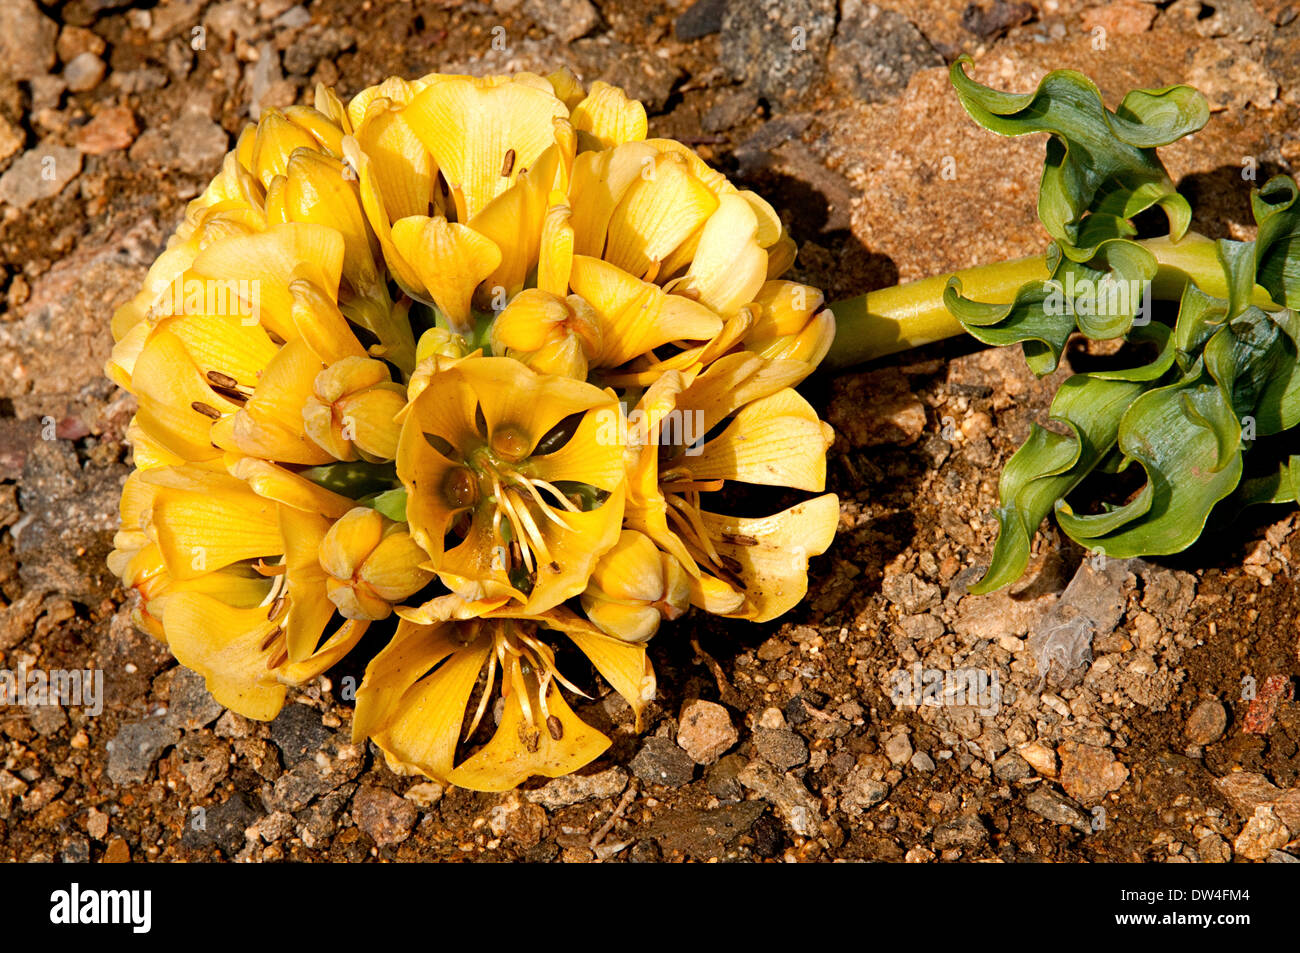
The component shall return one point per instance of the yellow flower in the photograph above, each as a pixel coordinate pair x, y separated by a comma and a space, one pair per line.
511, 465
418, 690
604, 337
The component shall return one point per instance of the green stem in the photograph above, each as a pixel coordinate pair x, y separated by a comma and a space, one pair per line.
909, 315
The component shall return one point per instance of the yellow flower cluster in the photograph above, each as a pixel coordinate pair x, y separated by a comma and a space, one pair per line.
472, 352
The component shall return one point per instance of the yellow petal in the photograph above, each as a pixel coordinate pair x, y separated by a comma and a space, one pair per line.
317, 192
176, 401
216, 522
636, 316
276, 140
656, 215
450, 259
309, 610
773, 441
483, 135
284, 486
423, 732
773, 559
729, 266
556, 251
223, 644
600, 180
518, 749
610, 116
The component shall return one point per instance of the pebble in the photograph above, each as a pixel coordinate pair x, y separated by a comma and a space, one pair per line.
193, 144
222, 826
27, 39
566, 20
705, 731
38, 174
898, 749
1089, 773
922, 761
189, 705
96, 823
861, 791
11, 138
1206, 723
298, 733
574, 788
1213, 849
385, 816
84, 73
1011, 767
661, 762
75, 40
1047, 803
701, 18
518, 820
910, 593
723, 778
776, 47
797, 805
781, 747
111, 130
966, 830
1040, 757
135, 748
1264, 832
426, 794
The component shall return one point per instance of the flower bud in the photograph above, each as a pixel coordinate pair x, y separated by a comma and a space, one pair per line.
372, 563
352, 410
553, 335
633, 586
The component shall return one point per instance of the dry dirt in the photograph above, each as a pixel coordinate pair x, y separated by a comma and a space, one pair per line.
1124, 756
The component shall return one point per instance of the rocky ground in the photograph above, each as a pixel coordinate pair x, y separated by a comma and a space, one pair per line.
1143, 711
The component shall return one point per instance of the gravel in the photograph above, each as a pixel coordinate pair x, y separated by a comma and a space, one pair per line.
135, 748
661, 762
705, 731
1206, 723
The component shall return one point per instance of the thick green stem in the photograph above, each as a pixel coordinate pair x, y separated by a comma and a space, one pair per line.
909, 315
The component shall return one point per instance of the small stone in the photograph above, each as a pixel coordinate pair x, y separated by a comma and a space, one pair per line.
776, 47
772, 718
75, 40
733, 106
84, 73
1040, 757
1088, 772
273, 827
205, 761
1047, 803
1263, 708
1206, 723
1123, 16
193, 144
117, 852
566, 20
862, 792
723, 778
898, 749
922, 761
964, 831
518, 820
189, 705
910, 592
705, 731
11, 138
38, 174
426, 794
1264, 832
135, 748
782, 748
918, 855
574, 788
701, 18
1213, 849
1011, 767
96, 823
383, 815
801, 811
222, 826
298, 733
661, 762
27, 39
